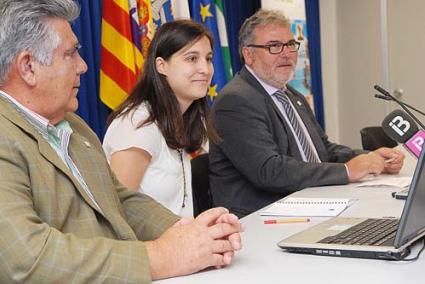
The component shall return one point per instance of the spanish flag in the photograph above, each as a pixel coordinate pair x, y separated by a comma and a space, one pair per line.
127, 29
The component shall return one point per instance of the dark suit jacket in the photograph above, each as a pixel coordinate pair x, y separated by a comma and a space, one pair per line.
50, 230
258, 161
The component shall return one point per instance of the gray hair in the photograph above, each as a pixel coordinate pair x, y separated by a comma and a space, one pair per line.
23, 27
260, 18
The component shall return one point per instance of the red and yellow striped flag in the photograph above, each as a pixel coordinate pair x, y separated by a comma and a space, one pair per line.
127, 29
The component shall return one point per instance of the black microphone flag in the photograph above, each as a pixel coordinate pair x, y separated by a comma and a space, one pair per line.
399, 126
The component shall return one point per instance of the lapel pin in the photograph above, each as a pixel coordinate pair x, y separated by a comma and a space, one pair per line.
87, 143
299, 103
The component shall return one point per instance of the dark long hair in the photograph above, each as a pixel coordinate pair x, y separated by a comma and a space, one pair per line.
186, 131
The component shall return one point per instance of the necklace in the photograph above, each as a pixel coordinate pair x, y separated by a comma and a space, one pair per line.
180, 151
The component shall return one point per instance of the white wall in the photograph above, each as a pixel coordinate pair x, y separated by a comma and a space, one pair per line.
351, 65
406, 36
329, 46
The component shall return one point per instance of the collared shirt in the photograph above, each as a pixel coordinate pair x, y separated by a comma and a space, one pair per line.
57, 136
271, 90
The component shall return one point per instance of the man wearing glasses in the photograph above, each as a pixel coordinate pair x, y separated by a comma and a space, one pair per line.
271, 143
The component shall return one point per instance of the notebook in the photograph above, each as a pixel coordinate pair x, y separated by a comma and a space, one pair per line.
351, 237
310, 207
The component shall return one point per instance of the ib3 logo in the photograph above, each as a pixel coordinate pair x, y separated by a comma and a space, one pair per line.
415, 143
400, 125
418, 142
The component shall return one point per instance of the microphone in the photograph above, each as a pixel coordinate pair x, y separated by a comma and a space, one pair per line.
400, 103
414, 144
401, 128
382, 97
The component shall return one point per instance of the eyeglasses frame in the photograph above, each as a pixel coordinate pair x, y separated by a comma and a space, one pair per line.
270, 45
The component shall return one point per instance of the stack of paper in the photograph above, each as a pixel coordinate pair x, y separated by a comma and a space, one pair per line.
385, 181
311, 207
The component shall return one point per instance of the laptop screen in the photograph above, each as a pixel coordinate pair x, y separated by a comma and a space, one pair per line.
412, 221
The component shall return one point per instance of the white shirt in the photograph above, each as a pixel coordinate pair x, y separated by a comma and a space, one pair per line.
163, 178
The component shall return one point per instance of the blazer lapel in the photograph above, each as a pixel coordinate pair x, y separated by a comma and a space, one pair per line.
251, 80
8, 111
303, 110
91, 166
94, 168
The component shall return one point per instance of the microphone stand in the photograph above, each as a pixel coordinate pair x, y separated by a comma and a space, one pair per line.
400, 103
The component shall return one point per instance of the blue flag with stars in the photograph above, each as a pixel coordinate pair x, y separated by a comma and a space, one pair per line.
204, 11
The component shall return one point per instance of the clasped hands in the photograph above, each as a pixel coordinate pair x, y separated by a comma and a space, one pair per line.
191, 244
382, 160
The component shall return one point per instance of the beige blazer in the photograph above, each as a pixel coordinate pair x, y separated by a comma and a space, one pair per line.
50, 231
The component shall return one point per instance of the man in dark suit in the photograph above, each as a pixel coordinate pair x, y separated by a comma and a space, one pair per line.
271, 143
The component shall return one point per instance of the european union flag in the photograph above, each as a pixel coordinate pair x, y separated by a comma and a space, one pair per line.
204, 11
161, 11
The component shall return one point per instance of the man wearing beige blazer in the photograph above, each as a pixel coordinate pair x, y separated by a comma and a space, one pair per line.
63, 215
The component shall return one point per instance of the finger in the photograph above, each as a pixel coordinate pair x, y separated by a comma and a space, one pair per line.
236, 241
228, 257
228, 218
386, 153
399, 159
374, 158
393, 172
398, 156
395, 164
217, 260
210, 216
221, 246
223, 230
384, 150
398, 152
392, 169
394, 155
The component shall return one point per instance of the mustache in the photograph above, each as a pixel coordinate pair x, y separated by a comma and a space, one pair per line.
286, 61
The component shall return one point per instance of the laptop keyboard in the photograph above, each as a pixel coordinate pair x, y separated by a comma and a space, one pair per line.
371, 232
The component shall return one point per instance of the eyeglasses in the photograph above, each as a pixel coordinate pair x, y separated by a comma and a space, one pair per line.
277, 47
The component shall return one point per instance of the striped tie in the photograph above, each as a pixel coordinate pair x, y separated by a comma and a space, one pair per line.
302, 138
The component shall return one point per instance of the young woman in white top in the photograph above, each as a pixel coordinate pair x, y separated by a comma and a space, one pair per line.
165, 117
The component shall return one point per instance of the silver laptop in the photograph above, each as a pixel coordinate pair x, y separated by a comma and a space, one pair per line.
366, 237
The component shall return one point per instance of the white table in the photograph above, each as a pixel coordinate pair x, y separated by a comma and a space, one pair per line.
261, 261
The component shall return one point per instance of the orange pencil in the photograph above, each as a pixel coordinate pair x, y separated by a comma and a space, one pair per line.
287, 221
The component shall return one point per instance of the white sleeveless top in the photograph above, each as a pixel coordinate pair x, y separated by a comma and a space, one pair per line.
163, 179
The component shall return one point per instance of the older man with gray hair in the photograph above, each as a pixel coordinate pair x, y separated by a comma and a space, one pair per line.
63, 215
